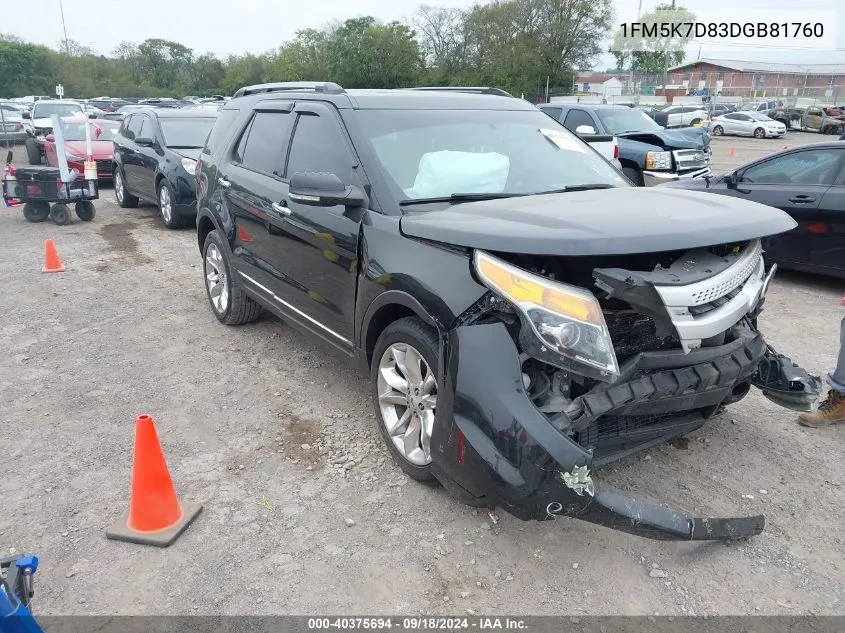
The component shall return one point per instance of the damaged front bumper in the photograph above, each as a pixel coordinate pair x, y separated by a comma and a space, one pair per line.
496, 449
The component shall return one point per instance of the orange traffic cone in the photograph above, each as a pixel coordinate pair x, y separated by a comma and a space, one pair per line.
52, 263
731, 152
155, 515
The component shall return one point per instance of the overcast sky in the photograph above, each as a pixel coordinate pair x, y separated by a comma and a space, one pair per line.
238, 26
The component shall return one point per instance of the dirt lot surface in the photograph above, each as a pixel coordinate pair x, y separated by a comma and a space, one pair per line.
260, 417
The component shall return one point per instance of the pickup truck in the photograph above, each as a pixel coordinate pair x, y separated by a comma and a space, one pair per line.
813, 119
649, 154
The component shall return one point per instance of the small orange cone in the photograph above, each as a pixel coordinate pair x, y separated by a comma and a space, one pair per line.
731, 152
52, 263
155, 515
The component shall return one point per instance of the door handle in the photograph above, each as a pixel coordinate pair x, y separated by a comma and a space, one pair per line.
802, 199
223, 182
280, 209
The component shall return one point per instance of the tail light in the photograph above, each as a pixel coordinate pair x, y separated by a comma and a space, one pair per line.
616, 151
818, 228
10, 171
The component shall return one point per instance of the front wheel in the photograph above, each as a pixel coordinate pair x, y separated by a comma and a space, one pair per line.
85, 210
125, 199
634, 175
166, 206
229, 302
36, 211
759, 133
405, 387
718, 130
695, 122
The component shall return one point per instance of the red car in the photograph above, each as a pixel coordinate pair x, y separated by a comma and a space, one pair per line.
102, 147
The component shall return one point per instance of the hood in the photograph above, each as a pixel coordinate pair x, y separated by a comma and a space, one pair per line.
188, 153
686, 138
600, 222
101, 150
46, 122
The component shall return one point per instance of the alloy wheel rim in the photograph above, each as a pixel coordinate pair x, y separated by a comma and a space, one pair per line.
407, 401
216, 280
118, 186
165, 204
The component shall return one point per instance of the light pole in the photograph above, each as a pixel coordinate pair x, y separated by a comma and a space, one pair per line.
64, 27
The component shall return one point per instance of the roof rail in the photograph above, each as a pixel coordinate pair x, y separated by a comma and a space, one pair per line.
484, 90
317, 86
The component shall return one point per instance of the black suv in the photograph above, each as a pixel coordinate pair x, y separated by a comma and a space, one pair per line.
525, 314
155, 158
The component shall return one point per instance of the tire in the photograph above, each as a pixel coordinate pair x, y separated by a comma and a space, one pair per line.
124, 199
166, 206
236, 307
718, 130
694, 122
634, 175
33, 151
85, 210
36, 211
409, 334
60, 214
759, 133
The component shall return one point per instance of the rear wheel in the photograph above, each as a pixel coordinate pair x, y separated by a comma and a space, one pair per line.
125, 199
405, 387
36, 211
33, 151
634, 175
85, 210
695, 122
60, 214
229, 302
759, 133
718, 130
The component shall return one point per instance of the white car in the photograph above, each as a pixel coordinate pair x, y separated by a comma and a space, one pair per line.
38, 123
680, 116
747, 123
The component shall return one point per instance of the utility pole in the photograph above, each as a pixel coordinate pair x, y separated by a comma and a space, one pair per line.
666, 64
64, 27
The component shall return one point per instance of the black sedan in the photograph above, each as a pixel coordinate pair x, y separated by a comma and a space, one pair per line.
155, 157
807, 182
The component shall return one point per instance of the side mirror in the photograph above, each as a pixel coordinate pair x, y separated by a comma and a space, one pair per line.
323, 190
732, 179
144, 141
585, 129
50, 138
92, 115
26, 115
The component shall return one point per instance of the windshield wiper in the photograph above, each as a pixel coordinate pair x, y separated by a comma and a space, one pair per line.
460, 197
598, 185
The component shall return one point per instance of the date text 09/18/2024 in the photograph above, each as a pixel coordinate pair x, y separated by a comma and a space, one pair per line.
421, 623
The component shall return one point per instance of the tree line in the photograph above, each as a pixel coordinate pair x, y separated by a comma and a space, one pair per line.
517, 45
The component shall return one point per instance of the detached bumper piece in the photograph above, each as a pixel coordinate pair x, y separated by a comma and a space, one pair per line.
785, 383
615, 510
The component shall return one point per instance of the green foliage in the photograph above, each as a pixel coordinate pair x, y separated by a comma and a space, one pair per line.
511, 44
652, 55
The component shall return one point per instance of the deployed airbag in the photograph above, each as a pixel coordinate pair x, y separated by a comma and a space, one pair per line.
446, 172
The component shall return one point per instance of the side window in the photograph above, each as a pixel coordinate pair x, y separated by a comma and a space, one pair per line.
578, 117
222, 126
318, 146
553, 112
810, 167
133, 130
733, 116
264, 144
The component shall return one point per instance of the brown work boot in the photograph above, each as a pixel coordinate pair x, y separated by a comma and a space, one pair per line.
830, 411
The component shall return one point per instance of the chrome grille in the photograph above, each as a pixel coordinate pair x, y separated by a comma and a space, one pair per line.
687, 159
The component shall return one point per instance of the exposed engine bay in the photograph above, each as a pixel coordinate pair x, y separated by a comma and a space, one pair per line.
683, 325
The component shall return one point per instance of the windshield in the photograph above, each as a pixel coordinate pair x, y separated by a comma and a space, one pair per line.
187, 133
46, 110
437, 153
76, 131
621, 120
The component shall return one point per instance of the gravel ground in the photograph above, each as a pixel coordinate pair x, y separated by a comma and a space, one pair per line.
304, 511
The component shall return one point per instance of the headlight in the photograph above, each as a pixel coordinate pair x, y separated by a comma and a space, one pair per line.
658, 160
562, 325
189, 164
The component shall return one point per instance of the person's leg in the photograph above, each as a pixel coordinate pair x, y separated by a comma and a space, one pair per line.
832, 409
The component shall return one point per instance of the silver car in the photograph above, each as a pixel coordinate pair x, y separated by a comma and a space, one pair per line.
747, 124
11, 123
